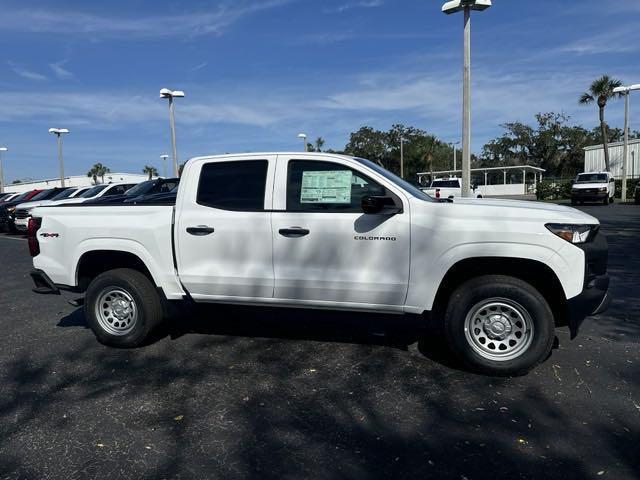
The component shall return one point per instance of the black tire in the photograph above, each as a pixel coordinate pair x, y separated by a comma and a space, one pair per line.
145, 298
611, 200
606, 201
574, 201
514, 293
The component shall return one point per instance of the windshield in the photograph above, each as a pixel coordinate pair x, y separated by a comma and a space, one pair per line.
445, 183
43, 195
416, 192
20, 197
64, 194
92, 192
591, 178
141, 188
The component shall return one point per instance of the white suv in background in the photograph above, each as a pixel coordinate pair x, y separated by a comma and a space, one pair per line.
593, 187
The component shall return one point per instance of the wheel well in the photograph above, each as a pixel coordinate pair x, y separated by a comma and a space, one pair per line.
92, 264
537, 274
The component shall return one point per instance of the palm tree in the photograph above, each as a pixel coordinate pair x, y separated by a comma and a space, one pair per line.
98, 170
151, 171
319, 144
601, 91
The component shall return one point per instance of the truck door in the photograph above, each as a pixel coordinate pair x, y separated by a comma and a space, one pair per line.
325, 247
223, 228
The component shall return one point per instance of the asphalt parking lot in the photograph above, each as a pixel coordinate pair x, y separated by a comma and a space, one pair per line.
239, 392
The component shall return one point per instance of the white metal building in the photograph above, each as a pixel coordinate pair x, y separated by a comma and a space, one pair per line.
75, 181
530, 176
594, 158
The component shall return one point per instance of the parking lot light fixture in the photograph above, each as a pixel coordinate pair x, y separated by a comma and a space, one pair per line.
164, 164
2, 149
170, 95
303, 136
58, 132
625, 90
466, 6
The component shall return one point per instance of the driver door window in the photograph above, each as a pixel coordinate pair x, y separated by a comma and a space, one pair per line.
314, 186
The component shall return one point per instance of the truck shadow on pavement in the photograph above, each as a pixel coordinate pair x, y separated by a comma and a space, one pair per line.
395, 331
228, 401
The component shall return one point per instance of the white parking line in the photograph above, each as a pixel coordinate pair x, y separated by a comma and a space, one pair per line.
13, 238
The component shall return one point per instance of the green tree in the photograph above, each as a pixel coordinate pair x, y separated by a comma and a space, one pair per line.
151, 171
319, 143
98, 170
601, 91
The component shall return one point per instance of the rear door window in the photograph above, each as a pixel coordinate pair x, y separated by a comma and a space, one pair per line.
237, 185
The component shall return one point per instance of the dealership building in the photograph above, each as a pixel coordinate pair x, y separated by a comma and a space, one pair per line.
594, 158
75, 181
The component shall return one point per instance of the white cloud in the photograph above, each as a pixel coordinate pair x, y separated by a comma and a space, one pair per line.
212, 22
351, 5
25, 73
622, 39
61, 72
200, 66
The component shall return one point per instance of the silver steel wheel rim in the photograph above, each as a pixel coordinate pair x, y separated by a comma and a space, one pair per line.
499, 329
116, 311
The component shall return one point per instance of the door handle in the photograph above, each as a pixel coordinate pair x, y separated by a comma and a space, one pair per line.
200, 230
293, 232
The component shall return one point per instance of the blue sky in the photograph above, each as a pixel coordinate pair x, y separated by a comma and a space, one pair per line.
256, 73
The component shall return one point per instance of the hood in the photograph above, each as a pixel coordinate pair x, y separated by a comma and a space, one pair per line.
582, 186
30, 205
522, 209
65, 201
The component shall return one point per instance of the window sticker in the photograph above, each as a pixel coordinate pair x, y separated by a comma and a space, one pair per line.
327, 186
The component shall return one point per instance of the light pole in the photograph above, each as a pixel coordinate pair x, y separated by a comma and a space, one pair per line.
304, 141
164, 164
58, 132
453, 145
625, 90
171, 94
401, 157
2, 149
466, 6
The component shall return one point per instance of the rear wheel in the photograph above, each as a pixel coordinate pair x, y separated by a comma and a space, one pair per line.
499, 325
122, 307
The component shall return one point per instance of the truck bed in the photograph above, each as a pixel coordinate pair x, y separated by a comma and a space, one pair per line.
67, 232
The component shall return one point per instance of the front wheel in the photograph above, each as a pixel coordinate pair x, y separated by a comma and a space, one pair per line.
122, 307
499, 325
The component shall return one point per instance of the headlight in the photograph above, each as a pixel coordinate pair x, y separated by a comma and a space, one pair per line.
11, 209
602, 189
573, 233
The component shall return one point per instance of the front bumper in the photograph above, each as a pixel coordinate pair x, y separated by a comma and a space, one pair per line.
588, 196
595, 297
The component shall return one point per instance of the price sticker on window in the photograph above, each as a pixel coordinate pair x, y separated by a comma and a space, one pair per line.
328, 186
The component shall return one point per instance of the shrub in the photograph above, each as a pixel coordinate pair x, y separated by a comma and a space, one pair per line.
631, 186
553, 189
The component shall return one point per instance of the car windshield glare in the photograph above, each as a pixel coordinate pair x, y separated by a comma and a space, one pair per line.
92, 192
141, 188
591, 178
416, 192
64, 194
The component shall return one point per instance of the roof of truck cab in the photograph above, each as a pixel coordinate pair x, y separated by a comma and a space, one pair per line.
257, 154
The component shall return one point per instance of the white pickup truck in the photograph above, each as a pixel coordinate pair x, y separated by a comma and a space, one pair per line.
447, 188
313, 230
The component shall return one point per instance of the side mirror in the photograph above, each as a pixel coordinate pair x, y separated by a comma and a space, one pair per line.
372, 205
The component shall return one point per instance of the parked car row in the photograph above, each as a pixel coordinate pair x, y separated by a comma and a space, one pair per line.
15, 208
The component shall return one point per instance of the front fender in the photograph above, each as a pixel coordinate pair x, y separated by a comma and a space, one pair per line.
567, 264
